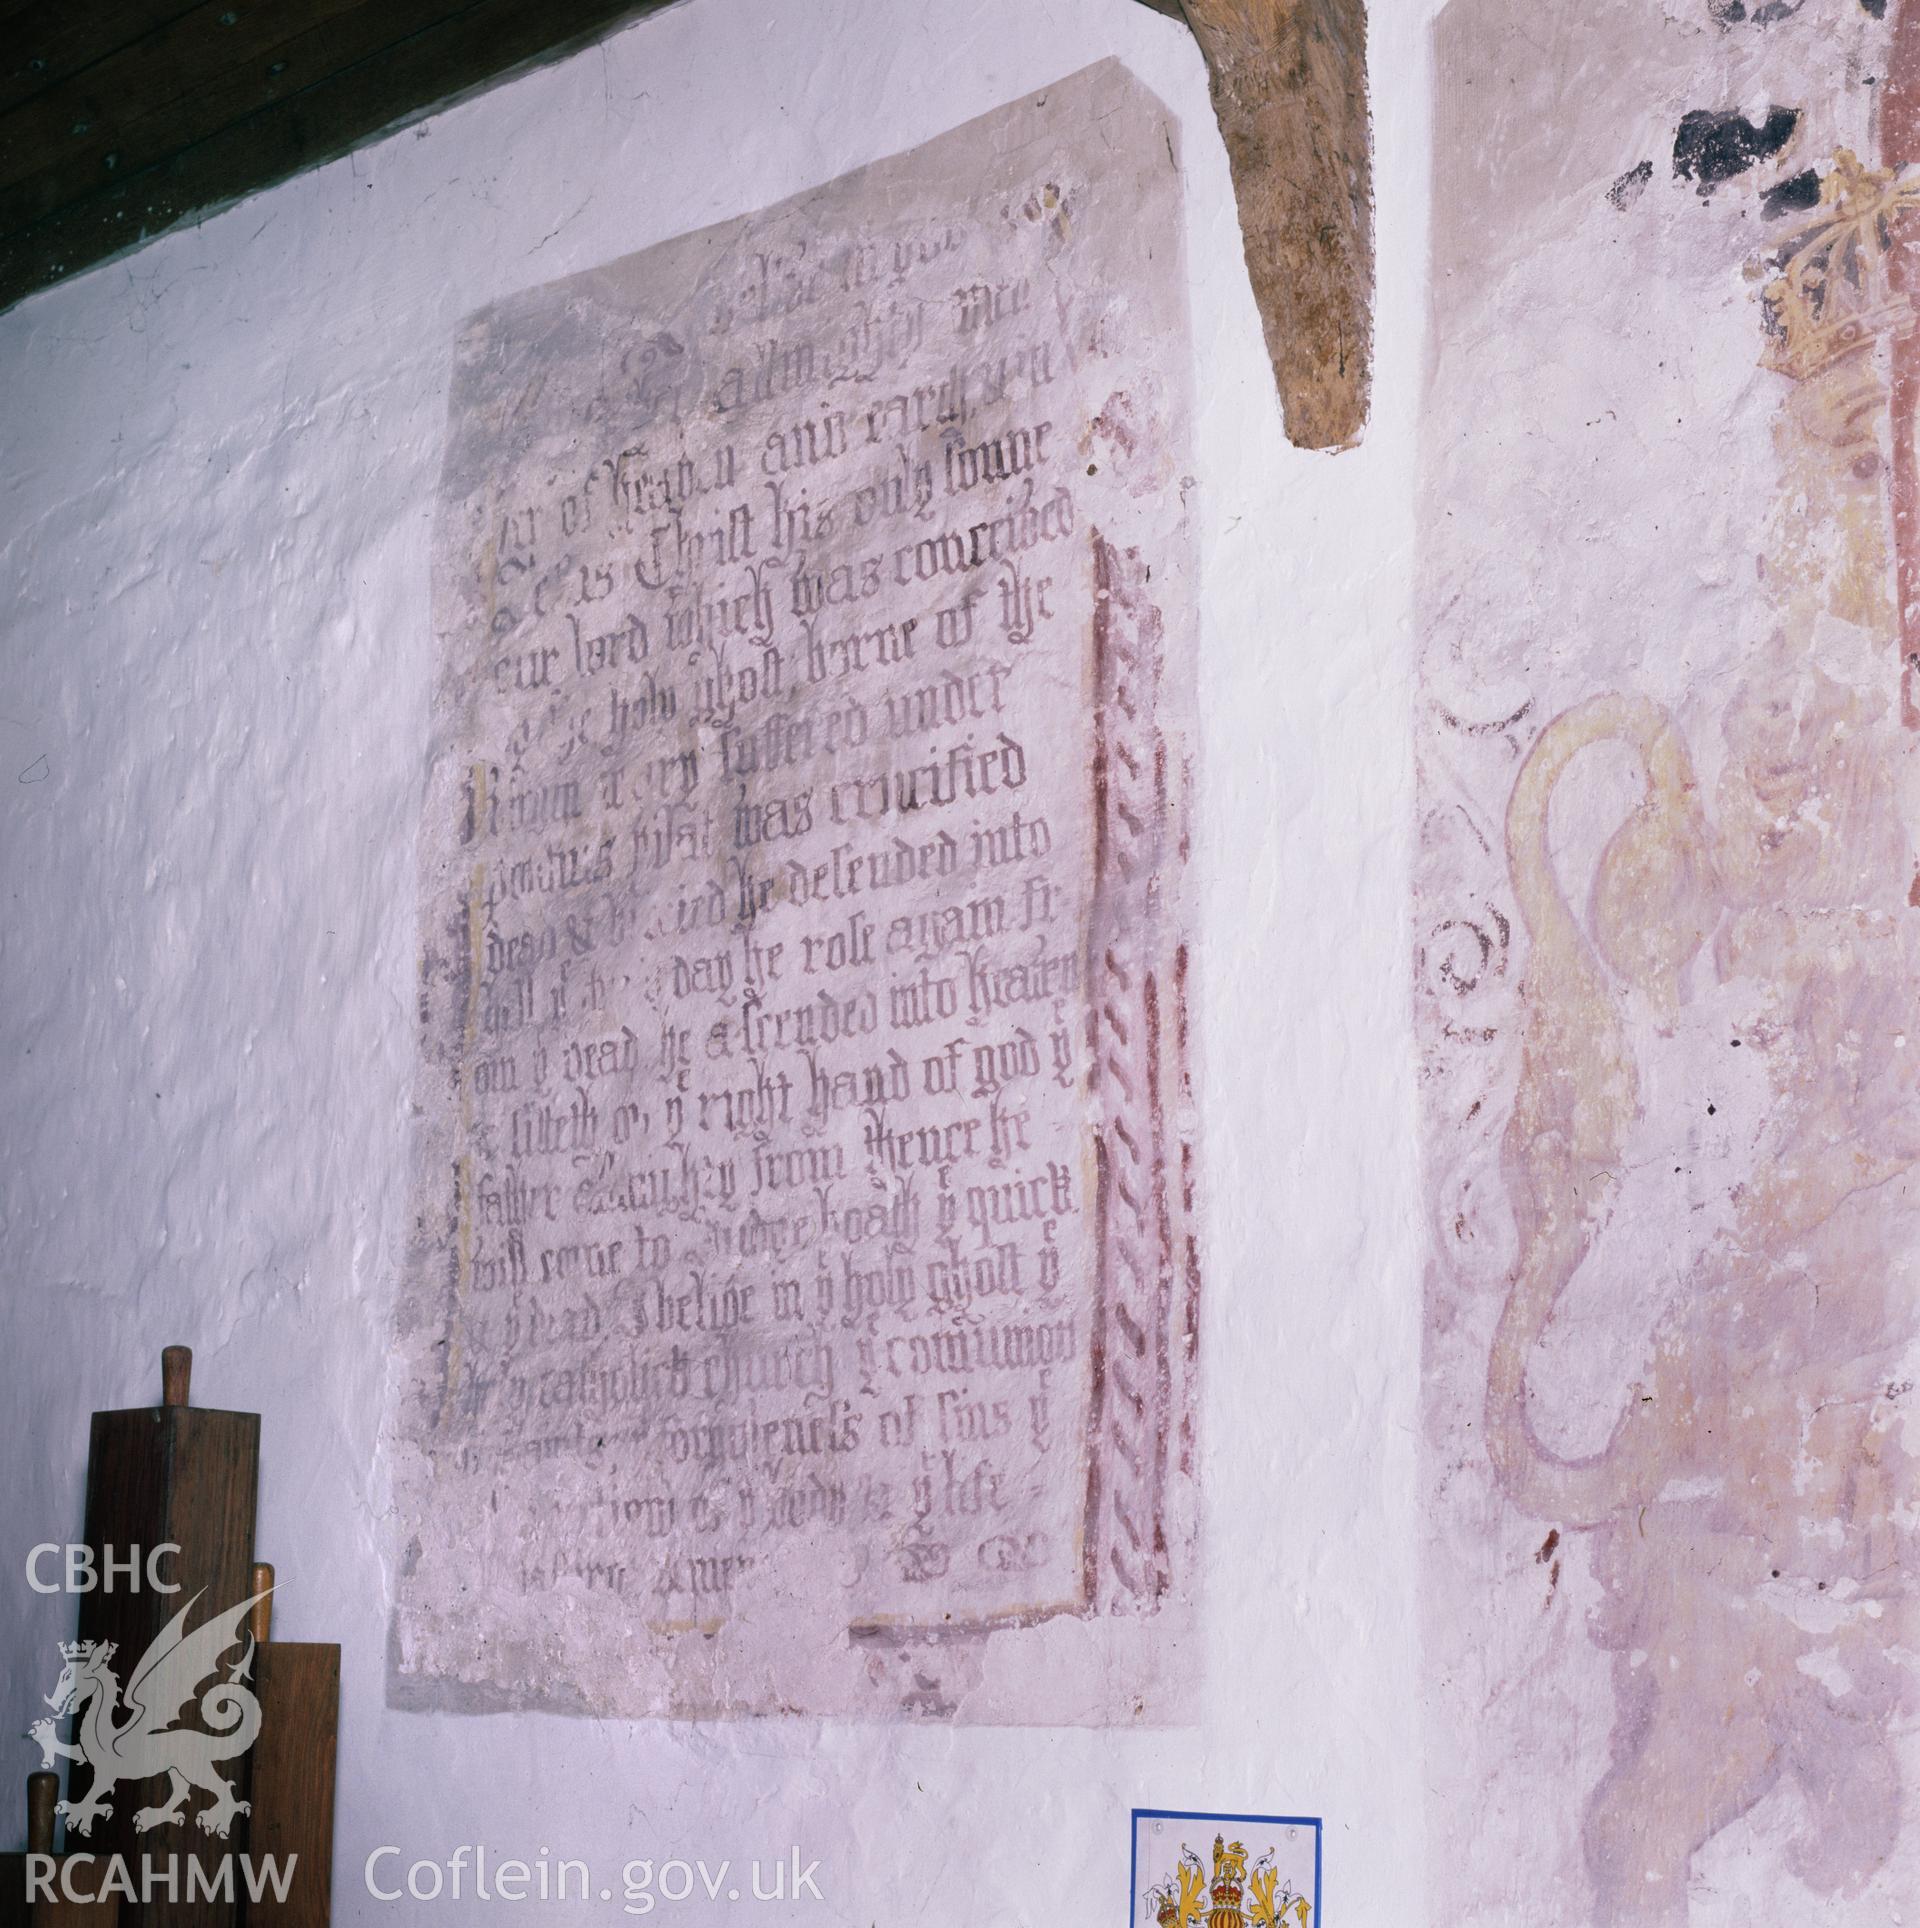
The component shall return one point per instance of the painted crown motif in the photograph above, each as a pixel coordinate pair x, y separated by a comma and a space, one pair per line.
1229, 1897
1229, 1875
85, 1650
1834, 291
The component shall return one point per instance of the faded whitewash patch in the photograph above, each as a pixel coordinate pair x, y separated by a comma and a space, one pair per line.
1667, 973
803, 1304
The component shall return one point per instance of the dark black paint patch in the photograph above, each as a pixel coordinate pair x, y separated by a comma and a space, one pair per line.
1793, 196
1711, 148
1878, 8
1628, 188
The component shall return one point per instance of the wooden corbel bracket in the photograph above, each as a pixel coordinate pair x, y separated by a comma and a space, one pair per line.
1290, 90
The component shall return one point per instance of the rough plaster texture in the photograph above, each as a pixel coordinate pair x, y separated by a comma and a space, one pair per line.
215, 496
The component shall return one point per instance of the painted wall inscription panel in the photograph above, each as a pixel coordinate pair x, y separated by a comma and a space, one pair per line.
802, 1309
1667, 973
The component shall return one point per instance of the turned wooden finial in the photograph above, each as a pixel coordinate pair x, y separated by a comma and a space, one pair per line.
176, 1372
260, 1618
43, 1790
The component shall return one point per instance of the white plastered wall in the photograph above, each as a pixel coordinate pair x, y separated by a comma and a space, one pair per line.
217, 465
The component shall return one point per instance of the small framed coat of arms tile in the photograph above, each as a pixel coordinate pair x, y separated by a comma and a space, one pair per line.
1199, 1870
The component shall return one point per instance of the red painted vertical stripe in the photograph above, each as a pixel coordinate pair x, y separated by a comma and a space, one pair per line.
1900, 146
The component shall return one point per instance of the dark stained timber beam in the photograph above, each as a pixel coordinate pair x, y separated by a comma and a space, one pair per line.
233, 117
1290, 90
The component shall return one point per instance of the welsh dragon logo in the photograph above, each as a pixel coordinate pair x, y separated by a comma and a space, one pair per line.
147, 1742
